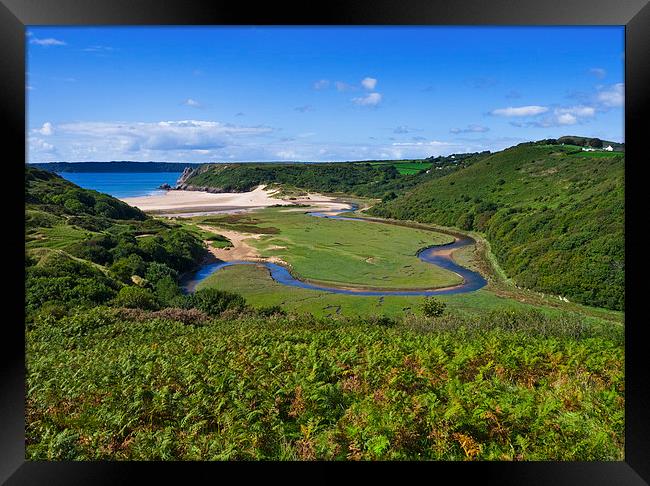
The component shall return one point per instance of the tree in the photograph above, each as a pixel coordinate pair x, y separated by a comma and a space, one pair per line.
431, 307
213, 301
125, 267
136, 298
157, 271
167, 290
465, 221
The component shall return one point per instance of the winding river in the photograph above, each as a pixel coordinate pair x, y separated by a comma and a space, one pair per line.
437, 255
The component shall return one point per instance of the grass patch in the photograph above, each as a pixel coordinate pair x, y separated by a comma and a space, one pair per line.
583, 153
260, 290
343, 252
219, 241
59, 236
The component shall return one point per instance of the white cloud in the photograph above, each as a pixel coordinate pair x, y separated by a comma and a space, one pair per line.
98, 49
429, 143
287, 154
212, 141
600, 73
304, 108
47, 42
566, 119
520, 111
321, 84
341, 86
193, 103
39, 145
369, 83
402, 129
164, 135
612, 96
581, 111
470, 129
371, 99
47, 129
561, 116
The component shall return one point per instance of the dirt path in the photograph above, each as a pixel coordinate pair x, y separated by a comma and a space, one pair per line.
240, 250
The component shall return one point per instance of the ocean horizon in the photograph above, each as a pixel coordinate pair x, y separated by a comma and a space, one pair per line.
122, 184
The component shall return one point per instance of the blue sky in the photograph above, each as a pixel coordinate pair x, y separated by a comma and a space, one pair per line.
200, 94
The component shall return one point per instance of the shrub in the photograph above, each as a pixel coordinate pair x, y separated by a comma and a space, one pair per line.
431, 307
381, 320
49, 313
136, 298
465, 221
273, 310
157, 271
68, 290
185, 316
82, 321
213, 301
167, 291
125, 267
95, 249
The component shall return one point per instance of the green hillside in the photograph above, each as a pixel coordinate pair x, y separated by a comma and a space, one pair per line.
379, 179
553, 216
86, 248
121, 366
114, 385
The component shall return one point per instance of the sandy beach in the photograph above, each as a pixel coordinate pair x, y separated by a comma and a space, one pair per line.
191, 202
198, 200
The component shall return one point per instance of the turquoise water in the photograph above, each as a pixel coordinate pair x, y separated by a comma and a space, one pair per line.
122, 184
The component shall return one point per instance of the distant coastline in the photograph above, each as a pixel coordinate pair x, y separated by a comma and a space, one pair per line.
114, 166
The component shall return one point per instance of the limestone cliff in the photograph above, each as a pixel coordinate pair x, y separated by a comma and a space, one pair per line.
189, 172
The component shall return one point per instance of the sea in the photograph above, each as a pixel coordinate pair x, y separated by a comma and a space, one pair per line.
123, 184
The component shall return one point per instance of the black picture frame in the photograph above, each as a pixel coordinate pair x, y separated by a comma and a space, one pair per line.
16, 14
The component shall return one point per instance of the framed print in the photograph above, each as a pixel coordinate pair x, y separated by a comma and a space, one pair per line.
378, 233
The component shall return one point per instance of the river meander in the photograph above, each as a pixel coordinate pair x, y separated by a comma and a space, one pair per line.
439, 255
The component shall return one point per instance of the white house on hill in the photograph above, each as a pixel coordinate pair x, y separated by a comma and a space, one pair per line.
591, 149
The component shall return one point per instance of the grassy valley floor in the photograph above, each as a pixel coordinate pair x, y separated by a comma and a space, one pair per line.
338, 252
309, 244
